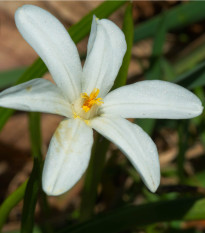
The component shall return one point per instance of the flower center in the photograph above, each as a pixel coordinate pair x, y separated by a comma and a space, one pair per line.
86, 106
90, 100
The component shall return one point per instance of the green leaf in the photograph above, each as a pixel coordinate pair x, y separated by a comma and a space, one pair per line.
93, 176
193, 78
82, 28
30, 198
189, 60
35, 134
154, 71
131, 216
11, 201
77, 33
128, 29
177, 17
9, 77
183, 145
167, 70
34, 183
146, 124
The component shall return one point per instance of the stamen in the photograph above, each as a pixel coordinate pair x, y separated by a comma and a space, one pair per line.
91, 100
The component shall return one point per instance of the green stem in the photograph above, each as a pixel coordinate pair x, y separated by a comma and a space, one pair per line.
93, 176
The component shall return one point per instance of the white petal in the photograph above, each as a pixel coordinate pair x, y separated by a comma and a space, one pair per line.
106, 49
152, 99
136, 145
68, 156
37, 95
53, 44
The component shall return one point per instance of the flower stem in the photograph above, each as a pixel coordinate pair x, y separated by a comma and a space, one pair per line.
93, 176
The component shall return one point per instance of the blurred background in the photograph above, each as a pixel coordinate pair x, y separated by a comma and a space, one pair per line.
169, 44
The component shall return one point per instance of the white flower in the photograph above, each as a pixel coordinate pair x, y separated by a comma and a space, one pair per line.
81, 96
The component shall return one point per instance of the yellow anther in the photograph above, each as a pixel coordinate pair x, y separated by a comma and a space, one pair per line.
91, 100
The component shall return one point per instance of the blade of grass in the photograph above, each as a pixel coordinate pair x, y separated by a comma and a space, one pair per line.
178, 17
30, 198
34, 183
154, 70
82, 28
11, 201
128, 217
93, 176
95, 169
193, 78
9, 77
190, 60
128, 29
183, 145
35, 135
77, 33
167, 70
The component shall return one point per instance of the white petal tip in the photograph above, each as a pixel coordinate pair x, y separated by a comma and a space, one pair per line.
200, 110
154, 188
53, 191
154, 185
22, 9
195, 111
152, 181
22, 14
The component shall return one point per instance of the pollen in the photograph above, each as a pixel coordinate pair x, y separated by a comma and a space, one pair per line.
90, 100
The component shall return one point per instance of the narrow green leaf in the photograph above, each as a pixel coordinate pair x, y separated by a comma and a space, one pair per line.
9, 77
132, 216
189, 61
77, 33
183, 140
82, 28
34, 183
193, 78
93, 176
154, 71
197, 179
167, 70
177, 17
128, 29
146, 124
35, 134
30, 198
11, 201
